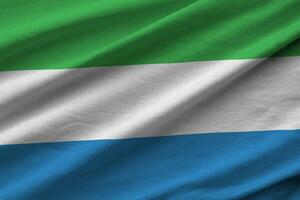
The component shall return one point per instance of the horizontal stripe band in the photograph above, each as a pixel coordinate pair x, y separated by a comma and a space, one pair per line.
149, 100
68, 34
252, 166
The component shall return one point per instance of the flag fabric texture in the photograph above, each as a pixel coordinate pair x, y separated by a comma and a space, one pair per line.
154, 99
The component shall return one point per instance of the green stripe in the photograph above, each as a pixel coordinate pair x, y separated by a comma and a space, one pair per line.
45, 34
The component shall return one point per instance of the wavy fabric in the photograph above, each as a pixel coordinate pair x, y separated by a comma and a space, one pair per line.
46, 34
225, 166
158, 99
149, 100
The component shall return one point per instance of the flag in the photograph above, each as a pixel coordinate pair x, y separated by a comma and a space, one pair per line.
157, 99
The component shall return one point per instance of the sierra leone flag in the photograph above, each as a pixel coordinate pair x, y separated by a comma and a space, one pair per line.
150, 100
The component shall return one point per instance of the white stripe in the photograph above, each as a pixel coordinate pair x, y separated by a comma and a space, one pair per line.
149, 100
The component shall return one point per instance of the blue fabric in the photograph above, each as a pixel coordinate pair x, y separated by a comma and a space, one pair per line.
250, 165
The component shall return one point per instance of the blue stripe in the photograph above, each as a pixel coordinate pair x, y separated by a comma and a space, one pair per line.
250, 165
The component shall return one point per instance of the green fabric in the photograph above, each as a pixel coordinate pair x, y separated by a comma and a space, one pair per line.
45, 34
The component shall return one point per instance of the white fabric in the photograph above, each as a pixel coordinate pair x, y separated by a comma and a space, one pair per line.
149, 100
